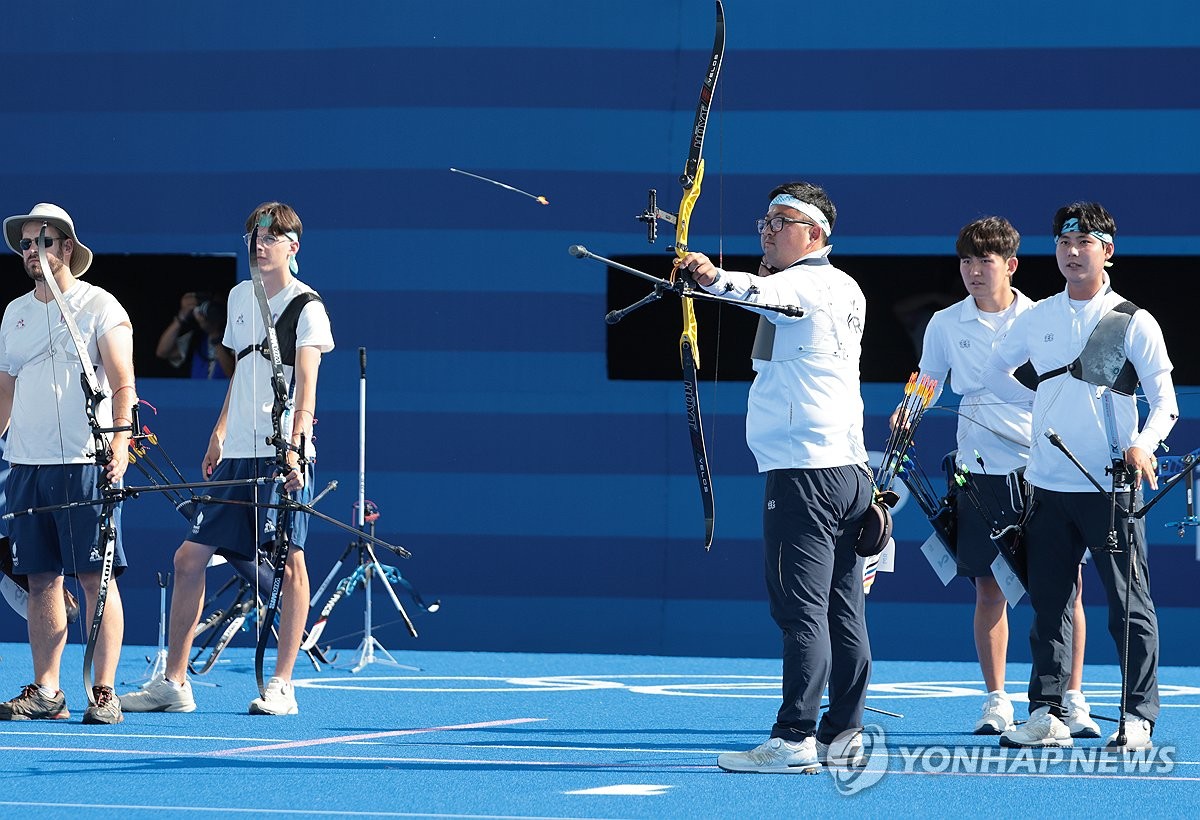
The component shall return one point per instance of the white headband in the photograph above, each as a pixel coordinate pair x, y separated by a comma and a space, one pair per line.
811, 211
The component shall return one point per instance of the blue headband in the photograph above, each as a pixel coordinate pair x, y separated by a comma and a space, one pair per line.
1072, 226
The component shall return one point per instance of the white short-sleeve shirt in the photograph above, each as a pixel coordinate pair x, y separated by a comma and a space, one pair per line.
49, 424
249, 420
958, 341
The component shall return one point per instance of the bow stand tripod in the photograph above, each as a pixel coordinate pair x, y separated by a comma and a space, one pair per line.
368, 566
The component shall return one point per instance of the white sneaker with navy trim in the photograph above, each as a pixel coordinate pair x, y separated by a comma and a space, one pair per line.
1079, 715
1042, 729
997, 714
1137, 736
845, 750
776, 756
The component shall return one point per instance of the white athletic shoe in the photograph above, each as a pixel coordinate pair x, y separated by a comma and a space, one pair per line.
1042, 729
279, 699
776, 756
997, 715
846, 750
1079, 715
1137, 736
159, 695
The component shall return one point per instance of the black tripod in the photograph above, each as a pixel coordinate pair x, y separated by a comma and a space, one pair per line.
366, 513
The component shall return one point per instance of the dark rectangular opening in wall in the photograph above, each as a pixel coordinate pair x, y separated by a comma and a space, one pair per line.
149, 286
902, 293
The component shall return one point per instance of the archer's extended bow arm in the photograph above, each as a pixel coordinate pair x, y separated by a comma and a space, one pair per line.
682, 286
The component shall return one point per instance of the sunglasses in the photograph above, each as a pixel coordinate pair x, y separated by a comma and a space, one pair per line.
47, 241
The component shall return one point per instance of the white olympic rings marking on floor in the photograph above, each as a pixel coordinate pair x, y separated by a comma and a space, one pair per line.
702, 686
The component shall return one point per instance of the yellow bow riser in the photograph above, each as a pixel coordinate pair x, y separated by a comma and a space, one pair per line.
688, 341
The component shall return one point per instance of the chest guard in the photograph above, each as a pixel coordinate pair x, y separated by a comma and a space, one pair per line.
1102, 361
285, 331
776, 343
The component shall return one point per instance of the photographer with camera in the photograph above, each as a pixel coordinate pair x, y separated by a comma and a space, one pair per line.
194, 335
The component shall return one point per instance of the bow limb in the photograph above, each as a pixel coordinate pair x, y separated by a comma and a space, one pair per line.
94, 395
689, 358
282, 543
690, 180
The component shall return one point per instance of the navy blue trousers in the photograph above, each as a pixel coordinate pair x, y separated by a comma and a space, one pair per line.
1061, 527
811, 519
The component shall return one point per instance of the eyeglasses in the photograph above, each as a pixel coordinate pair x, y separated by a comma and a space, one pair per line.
267, 240
47, 241
777, 223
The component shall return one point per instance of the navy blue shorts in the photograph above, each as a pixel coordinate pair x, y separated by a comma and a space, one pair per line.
62, 541
994, 506
235, 530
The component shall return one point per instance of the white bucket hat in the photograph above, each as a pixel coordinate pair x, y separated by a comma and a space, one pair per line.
81, 257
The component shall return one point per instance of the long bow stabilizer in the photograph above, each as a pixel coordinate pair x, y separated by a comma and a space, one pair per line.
680, 286
93, 396
1171, 466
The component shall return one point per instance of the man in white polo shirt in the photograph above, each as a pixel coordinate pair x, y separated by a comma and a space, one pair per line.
993, 441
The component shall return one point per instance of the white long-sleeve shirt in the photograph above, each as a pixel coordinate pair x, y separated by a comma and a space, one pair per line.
805, 408
1052, 334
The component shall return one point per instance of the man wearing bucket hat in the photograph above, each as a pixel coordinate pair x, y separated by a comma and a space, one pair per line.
238, 450
804, 424
51, 450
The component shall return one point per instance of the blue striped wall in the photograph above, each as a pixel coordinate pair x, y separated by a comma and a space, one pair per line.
549, 507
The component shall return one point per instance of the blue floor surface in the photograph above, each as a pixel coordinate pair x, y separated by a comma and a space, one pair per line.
475, 735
